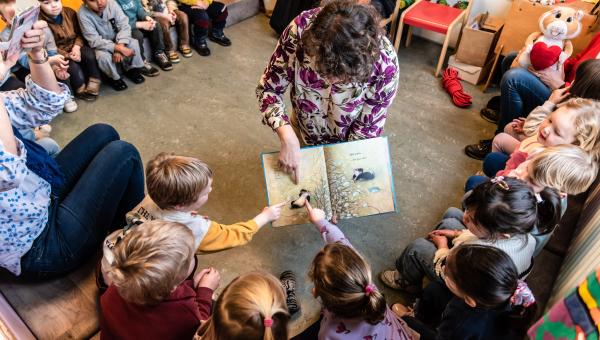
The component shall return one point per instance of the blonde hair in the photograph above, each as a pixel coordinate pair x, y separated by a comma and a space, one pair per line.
587, 123
566, 168
176, 180
341, 277
151, 260
242, 308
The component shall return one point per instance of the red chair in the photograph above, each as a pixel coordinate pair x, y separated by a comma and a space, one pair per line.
432, 17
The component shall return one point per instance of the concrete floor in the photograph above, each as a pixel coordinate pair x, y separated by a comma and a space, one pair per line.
206, 108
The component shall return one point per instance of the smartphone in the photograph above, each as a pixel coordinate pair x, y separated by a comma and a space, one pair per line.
21, 23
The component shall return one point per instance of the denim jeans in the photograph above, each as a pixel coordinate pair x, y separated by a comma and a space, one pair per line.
416, 260
520, 92
474, 181
103, 181
494, 162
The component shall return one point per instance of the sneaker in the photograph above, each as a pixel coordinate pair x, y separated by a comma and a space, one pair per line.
490, 115
173, 57
220, 39
202, 48
479, 151
186, 51
149, 70
70, 105
118, 85
288, 281
93, 86
135, 75
394, 280
163, 62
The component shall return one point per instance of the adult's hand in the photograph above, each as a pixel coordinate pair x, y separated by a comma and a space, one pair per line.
553, 78
289, 154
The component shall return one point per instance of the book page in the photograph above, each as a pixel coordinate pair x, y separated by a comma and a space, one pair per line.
280, 187
360, 178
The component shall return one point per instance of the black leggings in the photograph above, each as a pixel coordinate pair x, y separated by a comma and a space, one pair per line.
80, 71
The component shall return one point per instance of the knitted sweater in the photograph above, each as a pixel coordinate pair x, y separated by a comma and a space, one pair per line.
103, 31
66, 30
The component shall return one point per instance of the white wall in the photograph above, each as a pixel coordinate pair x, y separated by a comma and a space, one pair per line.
497, 8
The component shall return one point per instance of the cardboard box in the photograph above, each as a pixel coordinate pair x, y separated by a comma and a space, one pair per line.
470, 73
479, 39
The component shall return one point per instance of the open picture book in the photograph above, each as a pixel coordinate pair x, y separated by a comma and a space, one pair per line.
346, 180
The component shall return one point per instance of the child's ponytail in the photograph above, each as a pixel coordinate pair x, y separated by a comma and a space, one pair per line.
549, 210
375, 307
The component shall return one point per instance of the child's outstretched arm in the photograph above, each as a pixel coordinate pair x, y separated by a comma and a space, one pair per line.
330, 232
221, 236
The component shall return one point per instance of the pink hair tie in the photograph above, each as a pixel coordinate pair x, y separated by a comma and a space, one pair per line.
268, 322
369, 289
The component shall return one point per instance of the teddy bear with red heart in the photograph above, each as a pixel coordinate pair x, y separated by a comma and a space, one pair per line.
552, 45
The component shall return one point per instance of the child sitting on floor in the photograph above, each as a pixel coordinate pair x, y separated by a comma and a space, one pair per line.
64, 25
483, 298
251, 307
353, 307
107, 31
501, 213
142, 25
177, 187
202, 15
150, 296
167, 14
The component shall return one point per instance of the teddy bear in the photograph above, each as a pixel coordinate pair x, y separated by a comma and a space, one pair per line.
552, 46
543, 2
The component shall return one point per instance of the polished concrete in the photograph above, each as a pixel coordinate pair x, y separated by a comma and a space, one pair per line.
206, 108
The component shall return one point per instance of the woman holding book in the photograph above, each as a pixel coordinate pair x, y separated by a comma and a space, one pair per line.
344, 75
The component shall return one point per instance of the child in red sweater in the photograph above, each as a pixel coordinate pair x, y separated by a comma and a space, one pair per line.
150, 297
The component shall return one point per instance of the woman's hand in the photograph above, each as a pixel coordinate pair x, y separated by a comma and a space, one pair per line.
559, 95
34, 40
553, 78
289, 154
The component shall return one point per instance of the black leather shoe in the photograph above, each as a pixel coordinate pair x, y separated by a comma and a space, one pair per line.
479, 151
220, 39
202, 49
135, 75
118, 85
490, 115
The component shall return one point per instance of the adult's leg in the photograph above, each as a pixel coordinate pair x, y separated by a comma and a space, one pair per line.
507, 61
112, 184
521, 92
494, 162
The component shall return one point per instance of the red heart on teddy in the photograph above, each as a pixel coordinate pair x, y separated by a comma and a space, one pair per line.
542, 56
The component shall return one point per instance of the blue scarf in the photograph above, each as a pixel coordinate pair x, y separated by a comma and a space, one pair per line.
39, 162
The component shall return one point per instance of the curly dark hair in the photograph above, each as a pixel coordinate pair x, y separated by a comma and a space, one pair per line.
344, 40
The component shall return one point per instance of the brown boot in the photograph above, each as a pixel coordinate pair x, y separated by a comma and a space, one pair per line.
93, 87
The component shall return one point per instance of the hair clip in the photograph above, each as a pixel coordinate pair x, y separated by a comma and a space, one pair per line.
499, 180
268, 322
539, 198
369, 289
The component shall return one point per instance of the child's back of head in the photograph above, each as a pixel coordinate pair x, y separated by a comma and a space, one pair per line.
176, 181
566, 168
151, 260
510, 206
489, 278
343, 281
251, 307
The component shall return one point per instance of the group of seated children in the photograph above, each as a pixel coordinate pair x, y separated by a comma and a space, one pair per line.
107, 36
475, 261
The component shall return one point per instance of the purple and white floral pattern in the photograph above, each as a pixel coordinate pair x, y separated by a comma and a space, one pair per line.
325, 113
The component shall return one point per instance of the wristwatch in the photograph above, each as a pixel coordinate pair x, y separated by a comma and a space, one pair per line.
39, 61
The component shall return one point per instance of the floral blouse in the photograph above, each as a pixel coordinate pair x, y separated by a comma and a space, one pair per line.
326, 113
24, 196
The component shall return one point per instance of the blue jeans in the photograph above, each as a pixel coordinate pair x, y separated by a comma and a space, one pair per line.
474, 181
49, 144
416, 260
520, 92
494, 162
103, 180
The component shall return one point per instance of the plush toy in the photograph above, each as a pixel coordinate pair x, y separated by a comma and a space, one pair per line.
551, 47
543, 2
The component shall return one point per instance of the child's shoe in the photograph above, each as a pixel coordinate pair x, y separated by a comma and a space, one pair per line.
186, 51
219, 38
135, 75
163, 62
202, 48
288, 281
394, 280
173, 57
148, 70
93, 87
70, 105
118, 85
